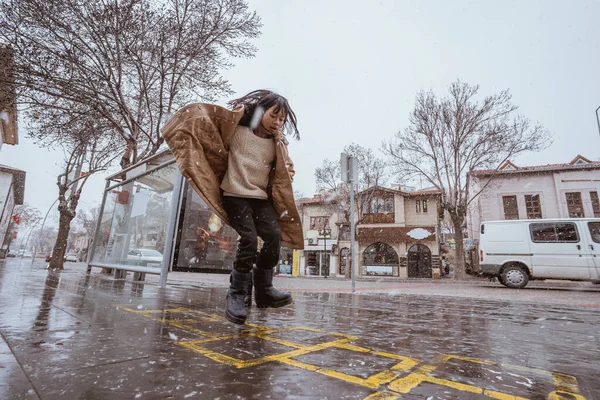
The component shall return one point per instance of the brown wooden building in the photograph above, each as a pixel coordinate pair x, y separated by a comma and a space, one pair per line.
397, 234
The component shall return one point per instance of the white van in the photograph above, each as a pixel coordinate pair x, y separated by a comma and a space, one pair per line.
516, 251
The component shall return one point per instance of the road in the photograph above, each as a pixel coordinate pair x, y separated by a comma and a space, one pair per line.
72, 335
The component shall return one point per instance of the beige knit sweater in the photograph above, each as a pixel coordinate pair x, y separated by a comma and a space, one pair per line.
250, 161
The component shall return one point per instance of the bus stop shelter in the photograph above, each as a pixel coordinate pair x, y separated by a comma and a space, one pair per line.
151, 222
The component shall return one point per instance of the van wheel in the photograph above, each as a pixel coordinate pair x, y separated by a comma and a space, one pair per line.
514, 277
596, 282
501, 280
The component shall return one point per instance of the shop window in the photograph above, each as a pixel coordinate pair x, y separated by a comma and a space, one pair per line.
317, 223
511, 208
595, 204
575, 205
380, 254
533, 206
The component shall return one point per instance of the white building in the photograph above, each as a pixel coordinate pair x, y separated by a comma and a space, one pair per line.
12, 180
567, 190
12, 190
397, 234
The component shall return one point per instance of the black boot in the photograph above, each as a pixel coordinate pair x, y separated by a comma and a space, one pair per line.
236, 312
248, 295
265, 294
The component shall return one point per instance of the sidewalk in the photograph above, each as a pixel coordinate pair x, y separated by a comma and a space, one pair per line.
73, 335
571, 293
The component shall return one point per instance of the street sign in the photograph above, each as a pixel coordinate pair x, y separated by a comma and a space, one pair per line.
348, 168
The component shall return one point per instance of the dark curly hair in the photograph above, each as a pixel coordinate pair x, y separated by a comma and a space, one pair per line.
263, 100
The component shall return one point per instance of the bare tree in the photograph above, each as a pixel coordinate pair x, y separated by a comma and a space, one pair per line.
24, 219
372, 172
87, 219
131, 62
90, 146
26, 216
450, 136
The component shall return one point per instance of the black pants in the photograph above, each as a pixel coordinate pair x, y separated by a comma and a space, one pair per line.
252, 218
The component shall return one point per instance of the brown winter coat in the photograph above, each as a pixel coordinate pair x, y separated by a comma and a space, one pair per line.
199, 135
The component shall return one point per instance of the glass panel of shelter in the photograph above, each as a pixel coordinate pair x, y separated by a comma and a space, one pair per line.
204, 243
135, 217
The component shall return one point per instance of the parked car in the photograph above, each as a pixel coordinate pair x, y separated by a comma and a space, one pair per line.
11, 254
27, 254
144, 256
518, 251
71, 257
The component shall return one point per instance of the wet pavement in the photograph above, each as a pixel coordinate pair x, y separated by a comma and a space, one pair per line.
72, 335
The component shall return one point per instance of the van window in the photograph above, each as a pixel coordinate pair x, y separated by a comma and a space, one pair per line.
566, 232
594, 228
554, 232
542, 233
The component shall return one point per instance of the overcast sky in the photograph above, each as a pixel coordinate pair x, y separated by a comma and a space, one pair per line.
351, 70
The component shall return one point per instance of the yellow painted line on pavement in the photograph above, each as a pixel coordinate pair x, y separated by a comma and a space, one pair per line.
566, 385
501, 396
561, 395
444, 358
383, 396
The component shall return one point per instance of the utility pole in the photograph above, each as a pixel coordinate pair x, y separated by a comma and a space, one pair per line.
325, 232
598, 119
349, 168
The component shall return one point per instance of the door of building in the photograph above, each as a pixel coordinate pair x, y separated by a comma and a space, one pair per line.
344, 260
419, 261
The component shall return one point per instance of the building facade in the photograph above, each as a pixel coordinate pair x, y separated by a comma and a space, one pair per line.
12, 180
12, 191
8, 105
568, 190
397, 234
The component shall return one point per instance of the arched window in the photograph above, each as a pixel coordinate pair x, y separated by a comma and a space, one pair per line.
380, 254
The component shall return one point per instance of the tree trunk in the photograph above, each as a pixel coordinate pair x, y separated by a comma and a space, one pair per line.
60, 247
459, 267
127, 155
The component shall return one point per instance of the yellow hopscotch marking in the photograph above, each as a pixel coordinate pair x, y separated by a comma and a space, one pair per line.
383, 396
566, 385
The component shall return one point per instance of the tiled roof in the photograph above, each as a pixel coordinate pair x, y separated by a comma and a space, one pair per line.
6, 167
318, 199
540, 168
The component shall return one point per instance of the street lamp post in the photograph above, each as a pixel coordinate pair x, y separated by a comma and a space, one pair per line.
325, 232
598, 119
